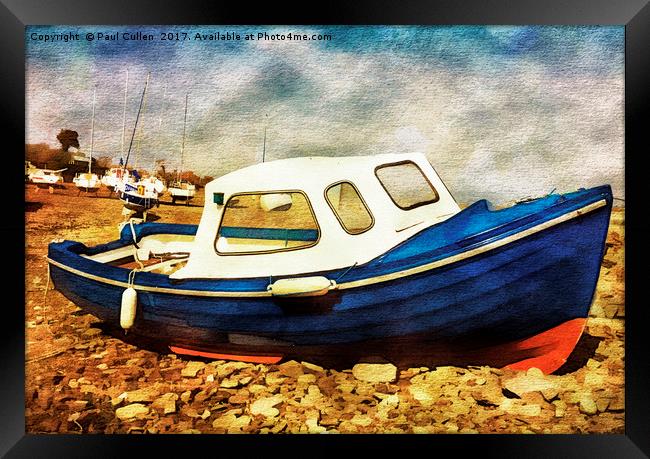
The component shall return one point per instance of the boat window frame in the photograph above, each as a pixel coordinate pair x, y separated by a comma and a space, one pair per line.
372, 217
263, 252
416, 205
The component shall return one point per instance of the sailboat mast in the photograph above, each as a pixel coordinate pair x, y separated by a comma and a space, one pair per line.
144, 106
183, 141
264, 147
126, 87
92, 134
265, 127
144, 91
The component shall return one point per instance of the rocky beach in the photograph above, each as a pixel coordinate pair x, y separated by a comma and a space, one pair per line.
80, 380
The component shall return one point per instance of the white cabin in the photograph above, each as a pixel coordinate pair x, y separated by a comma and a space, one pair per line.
303, 215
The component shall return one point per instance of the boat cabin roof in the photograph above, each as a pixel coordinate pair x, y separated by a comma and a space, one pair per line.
310, 214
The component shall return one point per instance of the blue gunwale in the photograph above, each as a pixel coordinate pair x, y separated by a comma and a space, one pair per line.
474, 227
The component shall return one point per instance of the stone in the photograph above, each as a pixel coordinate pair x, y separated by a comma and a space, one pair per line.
231, 422
131, 411
602, 404
535, 372
595, 379
192, 368
550, 393
166, 402
291, 369
265, 406
229, 383
307, 379
312, 367
587, 405
361, 420
231, 367
273, 379
373, 372
530, 382
146, 394
516, 407
313, 427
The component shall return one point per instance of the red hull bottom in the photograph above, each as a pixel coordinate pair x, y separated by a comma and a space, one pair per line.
547, 351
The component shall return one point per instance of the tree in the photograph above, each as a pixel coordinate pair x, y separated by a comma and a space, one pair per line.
160, 166
105, 162
68, 139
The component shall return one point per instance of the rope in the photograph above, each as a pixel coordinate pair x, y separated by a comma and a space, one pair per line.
135, 241
47, 285
131, 280
346, 271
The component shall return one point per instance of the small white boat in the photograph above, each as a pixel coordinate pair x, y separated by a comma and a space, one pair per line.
88, 181
182, 190
114, 176
142, 195
47, 177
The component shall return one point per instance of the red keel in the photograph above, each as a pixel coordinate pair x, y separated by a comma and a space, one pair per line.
550, 349
242, 358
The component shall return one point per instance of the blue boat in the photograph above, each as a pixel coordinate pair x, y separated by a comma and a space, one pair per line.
139, 196
337, 260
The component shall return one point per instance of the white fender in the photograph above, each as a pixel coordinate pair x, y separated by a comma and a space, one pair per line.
302, 286
128, 309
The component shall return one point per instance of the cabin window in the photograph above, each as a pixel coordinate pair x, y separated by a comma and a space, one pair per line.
267, 222
406, 185
349, 208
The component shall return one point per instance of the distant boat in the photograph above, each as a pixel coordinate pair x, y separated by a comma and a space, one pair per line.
182, 190
140, 195
29, 168
88, 181
114, 176
46, 177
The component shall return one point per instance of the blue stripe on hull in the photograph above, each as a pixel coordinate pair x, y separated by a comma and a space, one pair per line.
139, 202
512, 292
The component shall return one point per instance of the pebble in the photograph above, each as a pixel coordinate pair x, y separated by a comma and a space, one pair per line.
192, 368
588, 406
373, 372
265, 406
131, 411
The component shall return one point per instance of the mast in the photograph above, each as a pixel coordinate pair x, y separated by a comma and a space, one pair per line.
163, 111
126, 87
135, 127
92, 134
264, 147
144, 106
183, 142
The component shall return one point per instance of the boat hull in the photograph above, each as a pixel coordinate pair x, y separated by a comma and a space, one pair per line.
137, 202
477, 310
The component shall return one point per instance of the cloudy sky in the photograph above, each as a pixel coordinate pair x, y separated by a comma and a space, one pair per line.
501, 112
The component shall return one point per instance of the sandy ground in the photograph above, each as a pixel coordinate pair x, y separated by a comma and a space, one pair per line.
79, 380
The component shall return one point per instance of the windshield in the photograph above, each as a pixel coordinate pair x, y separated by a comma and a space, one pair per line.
267, 222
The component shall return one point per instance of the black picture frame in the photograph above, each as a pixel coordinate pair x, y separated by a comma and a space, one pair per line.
634, 14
